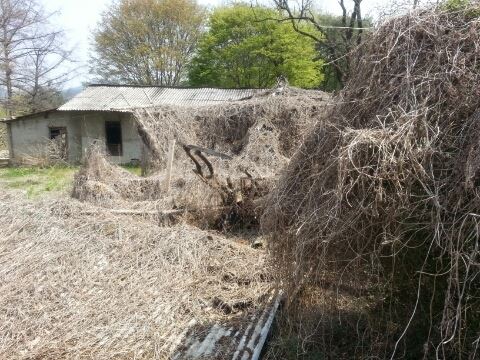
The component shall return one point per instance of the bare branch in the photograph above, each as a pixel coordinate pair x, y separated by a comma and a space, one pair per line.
32, 55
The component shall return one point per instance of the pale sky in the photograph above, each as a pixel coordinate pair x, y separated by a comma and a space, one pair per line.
79, 17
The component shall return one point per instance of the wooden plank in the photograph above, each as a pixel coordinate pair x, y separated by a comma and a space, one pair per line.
133, 212
149, 212
171, 153
265, 330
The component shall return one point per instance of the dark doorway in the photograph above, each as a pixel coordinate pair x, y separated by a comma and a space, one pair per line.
113, 137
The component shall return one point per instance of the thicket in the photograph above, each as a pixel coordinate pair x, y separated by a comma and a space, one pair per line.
379, 210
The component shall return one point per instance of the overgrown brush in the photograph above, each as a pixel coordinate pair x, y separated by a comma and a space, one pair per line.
382, 198
99, 181
258, 134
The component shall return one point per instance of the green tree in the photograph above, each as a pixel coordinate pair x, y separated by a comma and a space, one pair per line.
147, 42
458, 5
247, 47
335, 36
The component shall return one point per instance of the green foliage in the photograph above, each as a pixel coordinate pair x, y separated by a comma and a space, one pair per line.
455, 5
38, 181
334, 47
147, 42
459, 5
247, 47
134, 169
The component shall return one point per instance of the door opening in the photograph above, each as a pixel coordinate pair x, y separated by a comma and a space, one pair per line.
58, 146
113, 137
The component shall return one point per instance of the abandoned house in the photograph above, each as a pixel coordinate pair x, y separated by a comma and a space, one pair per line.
103, 112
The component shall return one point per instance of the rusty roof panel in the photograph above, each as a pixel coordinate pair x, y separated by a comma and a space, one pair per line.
125, 98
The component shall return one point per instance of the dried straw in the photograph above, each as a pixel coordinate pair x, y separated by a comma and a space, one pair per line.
261, 133
104, 286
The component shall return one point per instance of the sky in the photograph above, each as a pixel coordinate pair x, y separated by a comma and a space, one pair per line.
79, 17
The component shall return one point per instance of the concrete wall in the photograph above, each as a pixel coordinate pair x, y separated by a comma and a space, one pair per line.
30, 135
93, 129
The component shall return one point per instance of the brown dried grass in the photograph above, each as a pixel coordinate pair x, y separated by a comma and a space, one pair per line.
80, 281
382, 197
107, 286
101, 182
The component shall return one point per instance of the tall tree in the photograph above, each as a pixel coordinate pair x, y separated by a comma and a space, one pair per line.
32, 55
147, 42
335, 37
41, 79
242, 50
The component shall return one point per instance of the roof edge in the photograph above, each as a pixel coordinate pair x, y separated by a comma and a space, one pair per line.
21, 117
173, 87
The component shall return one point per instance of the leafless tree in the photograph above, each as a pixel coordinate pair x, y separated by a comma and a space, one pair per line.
31, 53
44, 70
335, 41
399, 7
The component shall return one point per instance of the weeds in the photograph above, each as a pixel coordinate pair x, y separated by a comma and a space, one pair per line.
38, 181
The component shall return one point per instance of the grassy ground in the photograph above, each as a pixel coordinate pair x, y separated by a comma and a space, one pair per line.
41, 181
137, 170
38, 181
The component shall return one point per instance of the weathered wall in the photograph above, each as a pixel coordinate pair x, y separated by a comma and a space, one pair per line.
93, 129
30, 135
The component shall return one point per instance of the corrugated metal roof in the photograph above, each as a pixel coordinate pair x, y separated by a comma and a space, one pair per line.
123, 98
240, 337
